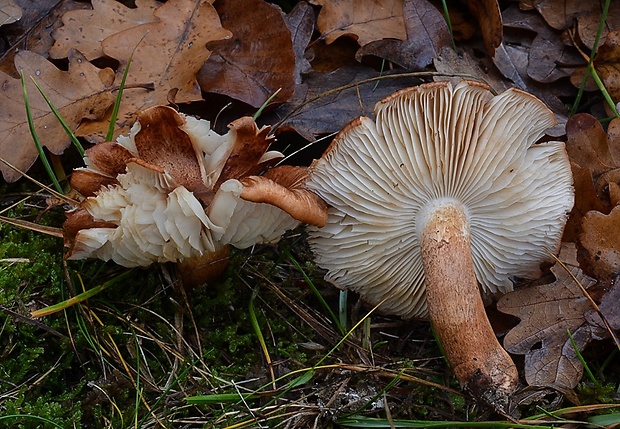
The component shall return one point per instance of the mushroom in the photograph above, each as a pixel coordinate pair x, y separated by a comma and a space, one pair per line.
445, 197
175, 191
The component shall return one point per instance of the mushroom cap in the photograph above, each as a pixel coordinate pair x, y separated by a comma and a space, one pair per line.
433, 144
173, 190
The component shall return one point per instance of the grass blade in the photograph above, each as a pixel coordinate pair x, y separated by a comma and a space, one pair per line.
219, 398
35, 137
265, 104
369, 422
27, 416
79, 298
316, 292
446, 14
62, 122
117, 103
259, 334
590, 66
583, 361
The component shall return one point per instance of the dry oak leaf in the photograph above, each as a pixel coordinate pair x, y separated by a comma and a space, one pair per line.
451, 63
427, 33
168, 54
599, 244
547, 51
82, 92
588, 144
300, 22
365, 22
562, 14
607, 64
512, 60
586, 199
489, 17
86, 29
257, 61
9, 12
319, 107
33, 31
593, 152
547, 312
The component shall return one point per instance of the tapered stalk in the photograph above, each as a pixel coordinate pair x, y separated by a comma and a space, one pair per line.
457, 311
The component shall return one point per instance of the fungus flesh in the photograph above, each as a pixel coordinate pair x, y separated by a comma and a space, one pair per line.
447, 188
173, 190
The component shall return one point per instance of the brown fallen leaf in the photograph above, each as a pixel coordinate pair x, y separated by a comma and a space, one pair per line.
427, 33
9, 12
562, 14
33, 31
489, 19
512, 58
599, 244
607, 65
257, 61
548, 312
82, 92
549, 58
613, 138
465, 63
592, 152
168, 54
376, 20
86, 29
323, 109
587, 144
608, 309
608, 187
588, 24
300, 22
586, 199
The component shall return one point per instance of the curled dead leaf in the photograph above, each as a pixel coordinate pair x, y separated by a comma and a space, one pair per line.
586, 199
563, 14
489, 18
607, 65
549, 57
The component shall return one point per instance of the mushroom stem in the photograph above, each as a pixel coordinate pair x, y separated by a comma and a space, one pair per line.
456, 309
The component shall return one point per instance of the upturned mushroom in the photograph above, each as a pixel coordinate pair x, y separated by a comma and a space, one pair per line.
445, 198
175, 191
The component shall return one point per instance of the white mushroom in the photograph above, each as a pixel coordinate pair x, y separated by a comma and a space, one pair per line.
446, 189
175, 191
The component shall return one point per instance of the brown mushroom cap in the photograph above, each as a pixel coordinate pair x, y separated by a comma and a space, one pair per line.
433, 143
